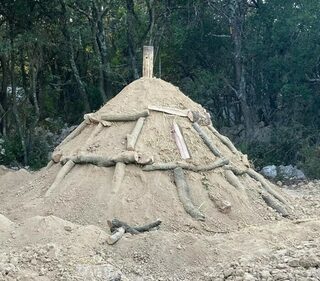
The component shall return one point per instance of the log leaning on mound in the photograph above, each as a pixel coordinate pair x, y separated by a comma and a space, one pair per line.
133, 137
74, 133
127, 157
233, 180
190, 167
225, 140
125, 117
271, 202
50, 164
61, 174
118, 175
206, 139
252, 173
183, 190
97, 130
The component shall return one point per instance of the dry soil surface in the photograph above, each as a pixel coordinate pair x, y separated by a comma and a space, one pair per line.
51, 248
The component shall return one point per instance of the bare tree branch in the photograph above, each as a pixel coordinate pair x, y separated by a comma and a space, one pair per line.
221, 35
81, 11
230, 86
314, 79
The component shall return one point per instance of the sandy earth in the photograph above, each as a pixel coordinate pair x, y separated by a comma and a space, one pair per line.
63, 236
50, 248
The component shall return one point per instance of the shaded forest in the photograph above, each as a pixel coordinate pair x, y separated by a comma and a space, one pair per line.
253, 64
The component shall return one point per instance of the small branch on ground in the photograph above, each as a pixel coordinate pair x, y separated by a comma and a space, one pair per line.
118, 228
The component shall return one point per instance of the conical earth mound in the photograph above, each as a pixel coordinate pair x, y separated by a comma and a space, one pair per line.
95, 175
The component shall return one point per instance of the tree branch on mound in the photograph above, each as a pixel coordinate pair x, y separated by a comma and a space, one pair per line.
195, 168
271, 202
225, 140
206, 139
233, 180
96, 131
74, 133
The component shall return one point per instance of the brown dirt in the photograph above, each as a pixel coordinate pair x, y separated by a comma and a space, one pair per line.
72, 221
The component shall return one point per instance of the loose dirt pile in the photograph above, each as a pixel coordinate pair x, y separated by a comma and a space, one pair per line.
54, 222
86, 195
49, 248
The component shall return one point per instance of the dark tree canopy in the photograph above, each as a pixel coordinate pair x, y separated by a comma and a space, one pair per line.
253, 64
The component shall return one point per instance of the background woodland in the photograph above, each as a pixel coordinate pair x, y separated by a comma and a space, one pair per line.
254, 65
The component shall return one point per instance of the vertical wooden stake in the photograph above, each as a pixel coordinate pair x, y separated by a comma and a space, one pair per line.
61, 174
147, 69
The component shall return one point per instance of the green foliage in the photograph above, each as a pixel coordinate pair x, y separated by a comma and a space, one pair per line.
10, 151
40, 149
310, 162
195, 49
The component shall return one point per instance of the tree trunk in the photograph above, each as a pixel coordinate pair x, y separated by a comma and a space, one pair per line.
14, 100
238, 11
81, 86
102, 44
34, 77
3, 95
130, 38
93, 24
75, 71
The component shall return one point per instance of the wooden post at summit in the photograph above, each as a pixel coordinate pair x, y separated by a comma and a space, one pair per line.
147, 68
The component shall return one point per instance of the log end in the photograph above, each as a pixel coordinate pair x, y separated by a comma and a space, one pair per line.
143, 159
130, 142
56, 157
